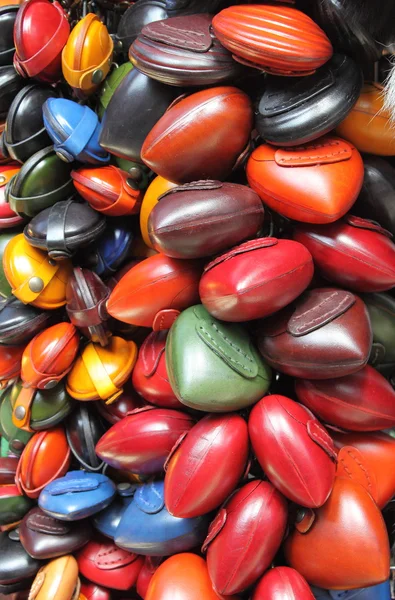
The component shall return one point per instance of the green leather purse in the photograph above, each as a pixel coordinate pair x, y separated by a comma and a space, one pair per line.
381, 309
17, 438
110, 84
212, 365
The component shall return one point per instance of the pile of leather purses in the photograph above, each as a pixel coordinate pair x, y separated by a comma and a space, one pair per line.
197, 312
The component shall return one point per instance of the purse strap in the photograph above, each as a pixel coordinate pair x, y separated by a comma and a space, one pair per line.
44, 274
22, 409
103, 383
75, 143
56, 238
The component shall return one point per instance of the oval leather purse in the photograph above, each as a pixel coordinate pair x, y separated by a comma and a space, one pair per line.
25, 133
17, 568
297, 111
231, 374
381, 308
108, 190
86, 296
147, 527
57, 579
154, 285
16, 437
35, 279
149, 376
8, 217
63, 228
19, 322
367, 126
110, 84
208, 131
84, 428
279, 429
87, 55
157, 188
44, 537
112, 248
277, 39
183, 51
43, 180
326, 333
105, 564
204, 217
245, 536
77, 495
141, 441
244, 283
135, 18
5, 238
10, 363
10, 84
313, 183
45, 458
7, 21
214, 454
74, 130
40, 33
284, 583
99, 373
13, 504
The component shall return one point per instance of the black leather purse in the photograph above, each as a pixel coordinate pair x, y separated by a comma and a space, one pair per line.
20, 322
7, 20
10, 84
84, 428
298, 110
134, 19
17, 567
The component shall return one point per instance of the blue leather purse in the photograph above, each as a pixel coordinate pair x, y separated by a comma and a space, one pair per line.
107, 520
148, 528
376, 592
77, 495
74, 130
107, 254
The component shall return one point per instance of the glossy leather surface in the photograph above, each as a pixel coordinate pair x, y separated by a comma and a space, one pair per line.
111, 250
106, 521
8, 217
110, 84
381, 308
16, 564
116, 411
326, 333
45, 408
10, 84
206, 466
322, 185
207, 131
135, 18
57, 579
19, 322
7, 21
10, 362
84, 428
157, 187
231, 374
282, 583
13, 504
17, 438
8, 465
5, 238
91, 591
151, 563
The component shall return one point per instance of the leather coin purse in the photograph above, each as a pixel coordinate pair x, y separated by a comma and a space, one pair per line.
8, 218
147, 527
282, 582
297, 111
149, 376
63, 228
45, 458
87, 55
43, 180
343, 544
103, 563
86, 296
204, 217
367, 126
10, 363
135, 107
77, 495
84, 428
157, 188
208, 131
13, 504
5, 238
7, 21
40, 33
108, 190
135, 18
183, 51
57, 579
354, 253
313, 183
231, 374
10, 84
327, 333
112, 248
35, 279
13, 316
106, 521
25, 133
279, 429
44, 408
74, 130
244, 283
100, 373
214, 456
110, 84
141, 441
16, 568
16, 437
363, 401
154, 285
245, 536
381, 308
278, 39
44, 537
8, 465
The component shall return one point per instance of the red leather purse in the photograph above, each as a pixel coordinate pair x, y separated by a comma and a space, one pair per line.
10, 364
282, 583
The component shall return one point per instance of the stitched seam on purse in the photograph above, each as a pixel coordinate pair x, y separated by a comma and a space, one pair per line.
107, 553
329, 313
232, 345
312, 156
318, 434
348, 405
44, 519
209, 221
360, 465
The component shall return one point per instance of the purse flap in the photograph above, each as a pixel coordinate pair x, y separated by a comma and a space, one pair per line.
319, 308
331, 150
202, 185
70, 485
249, 246
351, 464
189, 33
110, 557
320, 436
215, 528
42, 523
152, 351
367, 224
149, 498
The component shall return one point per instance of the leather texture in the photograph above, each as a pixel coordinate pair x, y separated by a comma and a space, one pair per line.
110, 251
326, 333
206, 465
203, 218
192, 7
13, 504
135, 18
91, 591
8, 217
19, 322
312, 183
231, 374
84, 428
7, 22
110, 84
10, 361
255, 279
207, 131
10, 84
353, 253
16, 565
155, 190
282, 583
128, 401
106, 521
8, 465
245, 536
297, 111
57, 579
16, 438
141, 441
5, 238
381, 308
